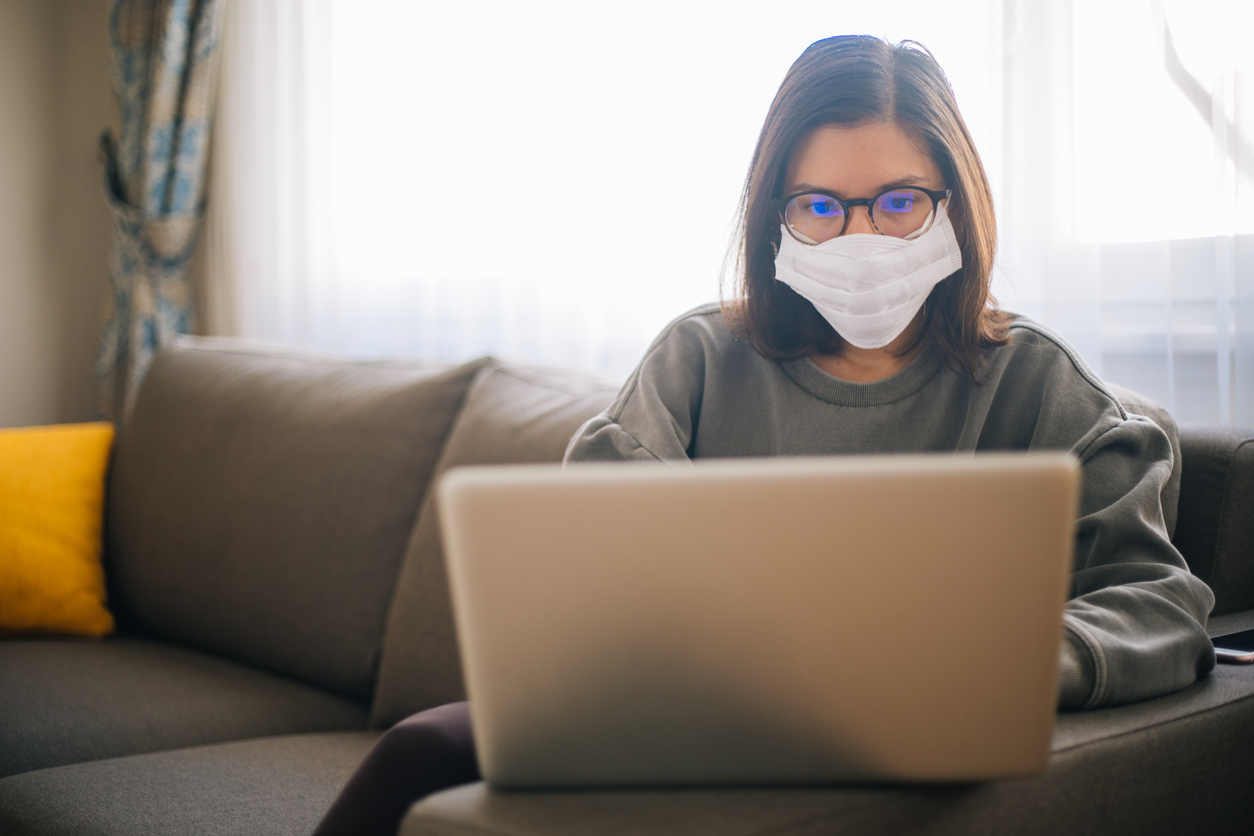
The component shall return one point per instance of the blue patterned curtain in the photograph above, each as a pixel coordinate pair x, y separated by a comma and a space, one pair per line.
164, 71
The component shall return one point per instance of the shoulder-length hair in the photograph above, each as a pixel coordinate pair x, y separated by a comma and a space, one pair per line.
850, 80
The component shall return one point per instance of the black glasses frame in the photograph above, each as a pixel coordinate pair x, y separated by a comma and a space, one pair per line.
781, 206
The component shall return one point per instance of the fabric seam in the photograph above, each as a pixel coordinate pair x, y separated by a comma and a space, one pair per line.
845, 812
551, 386
923, 383
1075, 362
313, 358
1083, 454
625, 432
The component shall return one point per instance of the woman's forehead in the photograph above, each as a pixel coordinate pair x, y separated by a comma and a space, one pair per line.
855, 161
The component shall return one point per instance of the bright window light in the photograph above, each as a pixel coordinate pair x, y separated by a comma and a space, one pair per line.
538, 156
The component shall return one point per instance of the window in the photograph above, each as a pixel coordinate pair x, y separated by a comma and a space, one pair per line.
449, 180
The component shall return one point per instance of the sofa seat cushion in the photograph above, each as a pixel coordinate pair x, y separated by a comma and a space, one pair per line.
1177, 764
68, 701
275, 786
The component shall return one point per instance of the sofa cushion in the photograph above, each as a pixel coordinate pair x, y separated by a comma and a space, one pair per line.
52, 482
67, 701
276, 786
259, 504
513, 414
1216, 529
1176, 764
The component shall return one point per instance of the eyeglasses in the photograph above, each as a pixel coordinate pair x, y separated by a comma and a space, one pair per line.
815, 217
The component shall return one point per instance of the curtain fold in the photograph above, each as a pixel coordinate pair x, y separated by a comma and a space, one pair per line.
163, 68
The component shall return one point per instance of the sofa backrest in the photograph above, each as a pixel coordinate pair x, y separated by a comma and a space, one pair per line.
1208, 503
512, 414
1216, 529
259, 504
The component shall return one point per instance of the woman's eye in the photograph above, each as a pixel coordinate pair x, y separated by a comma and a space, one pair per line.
897, 202
821, 208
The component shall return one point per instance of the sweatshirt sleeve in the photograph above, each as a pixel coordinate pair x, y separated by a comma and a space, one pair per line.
602, 439
654, 417
1133, 628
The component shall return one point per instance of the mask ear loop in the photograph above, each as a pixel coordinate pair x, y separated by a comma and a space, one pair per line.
801, 236
924, 227
927, 223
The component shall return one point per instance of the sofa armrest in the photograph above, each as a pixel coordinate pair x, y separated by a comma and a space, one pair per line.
1175, 764
1215, 530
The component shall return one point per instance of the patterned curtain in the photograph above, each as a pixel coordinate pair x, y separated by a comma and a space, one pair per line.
164, 70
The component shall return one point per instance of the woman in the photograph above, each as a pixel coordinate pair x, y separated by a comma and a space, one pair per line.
863, 323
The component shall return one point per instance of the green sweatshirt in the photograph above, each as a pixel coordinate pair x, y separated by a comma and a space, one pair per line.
1134, 625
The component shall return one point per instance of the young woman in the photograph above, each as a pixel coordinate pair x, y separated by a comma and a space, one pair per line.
862, 322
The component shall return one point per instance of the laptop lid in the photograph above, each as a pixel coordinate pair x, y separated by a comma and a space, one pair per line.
877, 618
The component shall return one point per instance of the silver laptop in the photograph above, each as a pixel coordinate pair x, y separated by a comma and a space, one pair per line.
877, 618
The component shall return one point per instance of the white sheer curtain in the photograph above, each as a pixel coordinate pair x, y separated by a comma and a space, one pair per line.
1127, 192
555, 181
549, 181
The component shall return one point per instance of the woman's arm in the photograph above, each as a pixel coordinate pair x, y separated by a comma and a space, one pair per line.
1134, 627
602, 439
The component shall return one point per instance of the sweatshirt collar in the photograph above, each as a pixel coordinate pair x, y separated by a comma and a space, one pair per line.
917, 374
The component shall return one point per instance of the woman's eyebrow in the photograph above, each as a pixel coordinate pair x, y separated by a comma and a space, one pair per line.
908, 180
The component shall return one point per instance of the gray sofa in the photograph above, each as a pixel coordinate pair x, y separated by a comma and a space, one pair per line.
275, 564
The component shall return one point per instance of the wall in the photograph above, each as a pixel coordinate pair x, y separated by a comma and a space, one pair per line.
55, 100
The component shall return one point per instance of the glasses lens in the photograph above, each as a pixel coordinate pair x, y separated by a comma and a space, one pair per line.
902, 212
814, 218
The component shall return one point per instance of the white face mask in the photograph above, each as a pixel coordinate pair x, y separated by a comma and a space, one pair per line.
869, 287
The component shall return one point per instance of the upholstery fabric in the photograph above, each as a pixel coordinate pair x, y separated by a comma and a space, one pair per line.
513, 414
1216, 529
1231, 623
259, 505
1109, 775
68, 701
278, 786
1138, 404
52, 482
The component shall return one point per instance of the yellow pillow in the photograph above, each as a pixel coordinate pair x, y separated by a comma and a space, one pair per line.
52, 483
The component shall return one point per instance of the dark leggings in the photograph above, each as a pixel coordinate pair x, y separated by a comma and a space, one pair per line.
422, 754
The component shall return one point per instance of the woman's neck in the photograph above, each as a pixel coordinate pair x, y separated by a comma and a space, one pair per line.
867, 365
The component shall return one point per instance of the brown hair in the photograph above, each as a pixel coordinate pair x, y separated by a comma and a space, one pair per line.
850, 80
